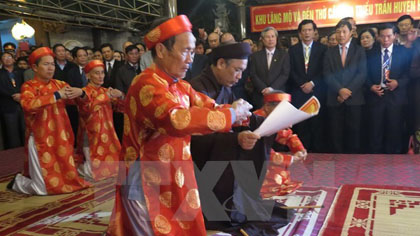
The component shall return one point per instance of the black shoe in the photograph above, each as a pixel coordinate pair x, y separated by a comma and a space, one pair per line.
11, 183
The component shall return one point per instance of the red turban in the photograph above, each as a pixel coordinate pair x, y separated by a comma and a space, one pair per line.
277, 97
177, 25
92, 64
38, 53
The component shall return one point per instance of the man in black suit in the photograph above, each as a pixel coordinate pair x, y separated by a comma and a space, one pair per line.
76, 77
269, 67
11, 114
345, 73
62, 66
129, 70
111, 65
387, 81
306, 80
200, 62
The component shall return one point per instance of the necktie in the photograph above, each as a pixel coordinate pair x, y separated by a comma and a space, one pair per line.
385, 66
269, 58
343, 55
84, 80
306, 57
108, 71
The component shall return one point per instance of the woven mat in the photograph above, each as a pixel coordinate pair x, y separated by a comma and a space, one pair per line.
83, 213
374, 210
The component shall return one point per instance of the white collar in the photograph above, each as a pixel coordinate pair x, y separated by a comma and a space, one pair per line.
310, 45
347, 44
389, 49
268, 51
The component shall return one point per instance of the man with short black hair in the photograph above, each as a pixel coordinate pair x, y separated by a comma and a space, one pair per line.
405, 24
62, 65
387, 81
111, 65
345, 73
307, 80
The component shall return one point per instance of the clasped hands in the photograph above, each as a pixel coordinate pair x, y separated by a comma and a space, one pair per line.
70, 92
114, 93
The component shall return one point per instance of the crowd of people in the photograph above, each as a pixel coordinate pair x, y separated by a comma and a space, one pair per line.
153, 113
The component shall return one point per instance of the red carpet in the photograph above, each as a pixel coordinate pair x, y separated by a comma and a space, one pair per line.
334, 170
374, 210
11, 161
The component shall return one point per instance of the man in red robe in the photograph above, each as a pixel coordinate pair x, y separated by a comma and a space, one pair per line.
97, 141
50, 167
277, 180
158, 193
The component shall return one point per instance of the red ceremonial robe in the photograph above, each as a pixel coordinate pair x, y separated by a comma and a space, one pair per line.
46, 119
277, 180
97, 122
160, 115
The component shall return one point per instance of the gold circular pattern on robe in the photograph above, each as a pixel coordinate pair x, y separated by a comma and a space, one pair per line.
130, 154
133, 106
100, 150
54, 181
162, 224
166, 199
55, 109
148, 123
284, 174
46, 157
62, 151
57, 167
186, 153
193, 199
151, 176
71, 161
45, 115
70, 175
278, 159
278, 178
63, 135
51, 125
162, 131
101, 97
179, 177
106, 126
146, 95
104, 138
154, 35
97, 108
198, 101
180, 119
126, 125
40, 132
50, 141
166, 153
216, 120
160, 110
112, 148
184, 224
96, 163
44, 172
97, 127
109, 159
67, 188
105, 172
95, 141
36, 103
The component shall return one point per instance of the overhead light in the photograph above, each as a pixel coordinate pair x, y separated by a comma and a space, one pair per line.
22, 30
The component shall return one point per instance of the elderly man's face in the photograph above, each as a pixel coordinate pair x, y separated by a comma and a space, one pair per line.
214, 40
230, 72
405, 26
176, 61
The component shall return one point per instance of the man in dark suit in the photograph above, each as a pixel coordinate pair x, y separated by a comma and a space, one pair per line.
345, 73
11, 114
269, 67
111, 65
129, 70
306, 80
387, 82
62, 66
76, 77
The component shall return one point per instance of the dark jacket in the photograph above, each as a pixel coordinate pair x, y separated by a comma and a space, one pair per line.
352, 76
125, 76
7, 89
61, 74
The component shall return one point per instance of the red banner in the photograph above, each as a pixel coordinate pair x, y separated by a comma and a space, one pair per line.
327, 13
